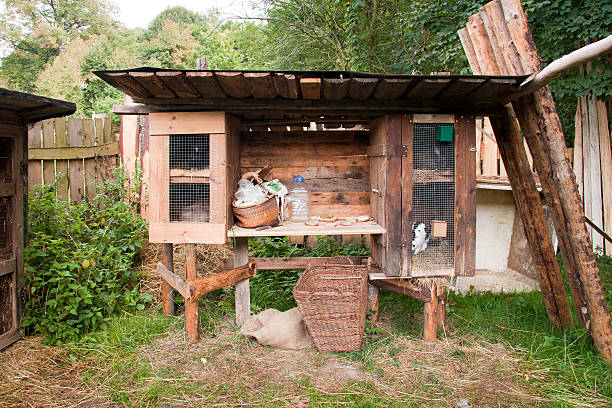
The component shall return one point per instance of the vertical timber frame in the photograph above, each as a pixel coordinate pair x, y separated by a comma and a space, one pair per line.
13, 266
390, 153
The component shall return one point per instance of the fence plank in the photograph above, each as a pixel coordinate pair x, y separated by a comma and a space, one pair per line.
75, 130
61, 166
89, 164
489, 151
48, 141
34, 166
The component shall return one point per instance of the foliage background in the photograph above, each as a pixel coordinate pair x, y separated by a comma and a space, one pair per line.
55, 44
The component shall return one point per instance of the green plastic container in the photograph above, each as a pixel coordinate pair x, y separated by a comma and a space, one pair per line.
445, 133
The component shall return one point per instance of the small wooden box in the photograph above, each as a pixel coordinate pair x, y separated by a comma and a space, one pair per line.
438, 229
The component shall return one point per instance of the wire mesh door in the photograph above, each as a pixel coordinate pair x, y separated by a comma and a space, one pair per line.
189, 190
433, 200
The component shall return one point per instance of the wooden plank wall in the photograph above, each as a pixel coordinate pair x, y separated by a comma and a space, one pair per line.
593, 167
77, 152
489, 164
333, 163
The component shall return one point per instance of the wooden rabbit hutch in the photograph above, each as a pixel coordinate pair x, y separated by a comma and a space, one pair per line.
397, 148
17, 110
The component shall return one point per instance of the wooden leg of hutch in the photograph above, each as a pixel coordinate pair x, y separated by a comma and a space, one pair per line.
442, 307
191, 306
242, 291
430, 325
167, 290
373, 302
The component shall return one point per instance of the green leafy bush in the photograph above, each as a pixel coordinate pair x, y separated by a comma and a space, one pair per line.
78, 260
273, 289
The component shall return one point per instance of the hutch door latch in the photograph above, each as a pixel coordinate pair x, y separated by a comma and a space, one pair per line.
404, 151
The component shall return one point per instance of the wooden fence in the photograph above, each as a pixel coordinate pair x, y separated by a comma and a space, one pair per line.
77, 152
593, 167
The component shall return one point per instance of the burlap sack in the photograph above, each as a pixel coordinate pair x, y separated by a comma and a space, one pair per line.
285, 330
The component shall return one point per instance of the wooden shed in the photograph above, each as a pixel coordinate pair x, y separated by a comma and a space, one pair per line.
398, 148
17, 111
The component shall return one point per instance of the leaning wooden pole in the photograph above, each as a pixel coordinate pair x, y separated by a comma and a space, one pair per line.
563, 186
514, 66
482, 60
510, 142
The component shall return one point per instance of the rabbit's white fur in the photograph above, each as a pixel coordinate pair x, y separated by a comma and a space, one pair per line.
421, 238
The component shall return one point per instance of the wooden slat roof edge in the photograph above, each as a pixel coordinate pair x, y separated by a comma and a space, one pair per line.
321, 74
41, 107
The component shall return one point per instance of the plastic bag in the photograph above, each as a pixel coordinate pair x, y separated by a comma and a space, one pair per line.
248, 194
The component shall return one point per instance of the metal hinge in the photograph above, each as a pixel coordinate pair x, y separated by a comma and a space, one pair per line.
404, 151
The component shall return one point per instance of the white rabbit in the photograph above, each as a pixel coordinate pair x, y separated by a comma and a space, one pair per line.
421, 237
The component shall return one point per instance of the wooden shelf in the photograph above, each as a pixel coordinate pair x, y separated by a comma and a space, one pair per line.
294, 229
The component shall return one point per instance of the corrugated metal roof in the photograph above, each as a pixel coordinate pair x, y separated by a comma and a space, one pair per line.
310, 94
33, 108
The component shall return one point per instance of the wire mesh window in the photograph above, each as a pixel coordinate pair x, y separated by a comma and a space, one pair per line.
189, 202
6, 303
433, 199
6, 228
189, 152
6, 151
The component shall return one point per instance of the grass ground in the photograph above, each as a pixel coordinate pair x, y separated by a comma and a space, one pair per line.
498, 350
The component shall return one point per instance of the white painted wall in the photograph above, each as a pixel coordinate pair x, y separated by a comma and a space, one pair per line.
494, 221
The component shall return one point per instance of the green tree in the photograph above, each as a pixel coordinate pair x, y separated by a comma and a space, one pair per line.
35, 31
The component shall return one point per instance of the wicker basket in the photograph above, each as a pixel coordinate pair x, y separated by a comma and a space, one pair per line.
258, 215
333, 300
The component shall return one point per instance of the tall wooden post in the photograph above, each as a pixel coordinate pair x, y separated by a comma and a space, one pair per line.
242, 291
167, 291
191, 305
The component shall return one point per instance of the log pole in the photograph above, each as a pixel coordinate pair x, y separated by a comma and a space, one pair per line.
530, 210
167, 291
191, 305
563, 187
430, 315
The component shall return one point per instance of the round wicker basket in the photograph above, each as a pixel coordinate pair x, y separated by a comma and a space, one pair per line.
258, 215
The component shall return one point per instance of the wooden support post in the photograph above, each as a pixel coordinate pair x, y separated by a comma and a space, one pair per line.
191, 305
430, 324
242, 291
374, 302
167, 291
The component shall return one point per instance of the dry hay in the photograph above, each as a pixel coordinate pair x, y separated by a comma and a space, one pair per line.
226, 369
34, 375
209, 260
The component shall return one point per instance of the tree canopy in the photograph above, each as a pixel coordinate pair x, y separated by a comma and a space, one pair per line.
55, 44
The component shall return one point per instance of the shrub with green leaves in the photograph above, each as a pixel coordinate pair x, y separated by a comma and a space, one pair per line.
79, 260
